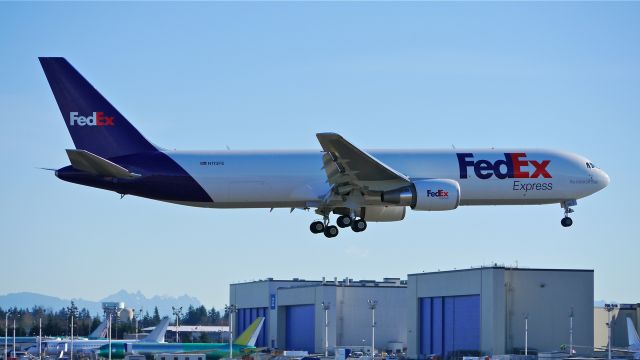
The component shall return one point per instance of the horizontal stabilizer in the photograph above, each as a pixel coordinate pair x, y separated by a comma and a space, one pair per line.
95, 165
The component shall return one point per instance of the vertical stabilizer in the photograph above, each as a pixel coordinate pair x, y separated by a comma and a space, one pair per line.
94, 124
250, 335
100, 332
634, 340
157, 335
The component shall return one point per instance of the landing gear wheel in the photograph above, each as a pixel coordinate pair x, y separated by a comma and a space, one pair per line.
331, 231
344, 221
359, 225
566, 222
316, 227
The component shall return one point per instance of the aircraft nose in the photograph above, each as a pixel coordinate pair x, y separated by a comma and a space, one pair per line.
603, 179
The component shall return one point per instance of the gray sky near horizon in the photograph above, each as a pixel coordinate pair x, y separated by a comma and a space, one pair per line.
271, 75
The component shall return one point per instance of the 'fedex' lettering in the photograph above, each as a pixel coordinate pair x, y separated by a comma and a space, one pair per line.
440, 193
96, 119
514, 165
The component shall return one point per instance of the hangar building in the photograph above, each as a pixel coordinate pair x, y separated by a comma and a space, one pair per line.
295, 318
483, 310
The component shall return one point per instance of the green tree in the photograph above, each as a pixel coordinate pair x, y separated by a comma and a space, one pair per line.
214, 316
156, 316
204, 337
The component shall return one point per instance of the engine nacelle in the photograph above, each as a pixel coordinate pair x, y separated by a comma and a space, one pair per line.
426, 195
384, 213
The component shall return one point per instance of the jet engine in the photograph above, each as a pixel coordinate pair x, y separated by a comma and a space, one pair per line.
426, 195
383, 213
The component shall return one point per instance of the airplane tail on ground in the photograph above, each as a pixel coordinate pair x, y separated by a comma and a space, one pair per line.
634, 340
157, 335
100, 332
250, 335
94, 124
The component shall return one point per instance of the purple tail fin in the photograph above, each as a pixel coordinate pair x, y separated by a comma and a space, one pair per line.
94, 124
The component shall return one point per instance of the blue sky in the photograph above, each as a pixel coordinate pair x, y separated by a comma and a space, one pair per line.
271, 75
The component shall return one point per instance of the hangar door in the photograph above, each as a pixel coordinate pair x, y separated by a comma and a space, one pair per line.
300, 327
246, 316
450, 325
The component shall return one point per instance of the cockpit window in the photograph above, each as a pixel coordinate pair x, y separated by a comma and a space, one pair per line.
590, 165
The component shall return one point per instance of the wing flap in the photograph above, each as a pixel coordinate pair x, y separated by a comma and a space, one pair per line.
95, 165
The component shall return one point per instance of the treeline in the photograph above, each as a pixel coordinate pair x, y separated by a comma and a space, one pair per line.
54, 323
58, 323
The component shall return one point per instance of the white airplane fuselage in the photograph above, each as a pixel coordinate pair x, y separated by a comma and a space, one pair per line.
272, 179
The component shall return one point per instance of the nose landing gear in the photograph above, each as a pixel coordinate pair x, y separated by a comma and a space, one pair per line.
566, 205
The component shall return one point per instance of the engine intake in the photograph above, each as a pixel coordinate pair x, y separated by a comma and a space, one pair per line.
426, 195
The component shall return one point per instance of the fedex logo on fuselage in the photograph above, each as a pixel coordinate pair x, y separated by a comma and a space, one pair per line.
514, 165
96, 119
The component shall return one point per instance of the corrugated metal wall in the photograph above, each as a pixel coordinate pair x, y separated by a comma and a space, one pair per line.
449, 324
246, 316
300, 327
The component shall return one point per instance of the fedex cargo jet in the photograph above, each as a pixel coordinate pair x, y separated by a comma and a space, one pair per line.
358, 186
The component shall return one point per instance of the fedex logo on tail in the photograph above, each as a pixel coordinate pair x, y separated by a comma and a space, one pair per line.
514, 165
96, 119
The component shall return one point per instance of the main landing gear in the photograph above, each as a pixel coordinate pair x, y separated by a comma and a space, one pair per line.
330, 231
566, 205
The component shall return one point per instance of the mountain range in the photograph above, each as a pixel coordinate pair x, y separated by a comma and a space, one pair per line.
133, 300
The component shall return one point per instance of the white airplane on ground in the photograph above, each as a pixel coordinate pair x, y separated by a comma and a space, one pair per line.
634, 340
342, 179
90, 347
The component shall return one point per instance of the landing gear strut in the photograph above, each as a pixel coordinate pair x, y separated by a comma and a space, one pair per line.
566, 205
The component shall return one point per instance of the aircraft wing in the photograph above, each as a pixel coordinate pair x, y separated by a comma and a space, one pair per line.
95, 165
349, 167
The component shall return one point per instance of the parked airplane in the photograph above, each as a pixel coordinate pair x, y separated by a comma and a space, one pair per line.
244, 345
88, 347
634, 340
24, 342
631, 351
357, 185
